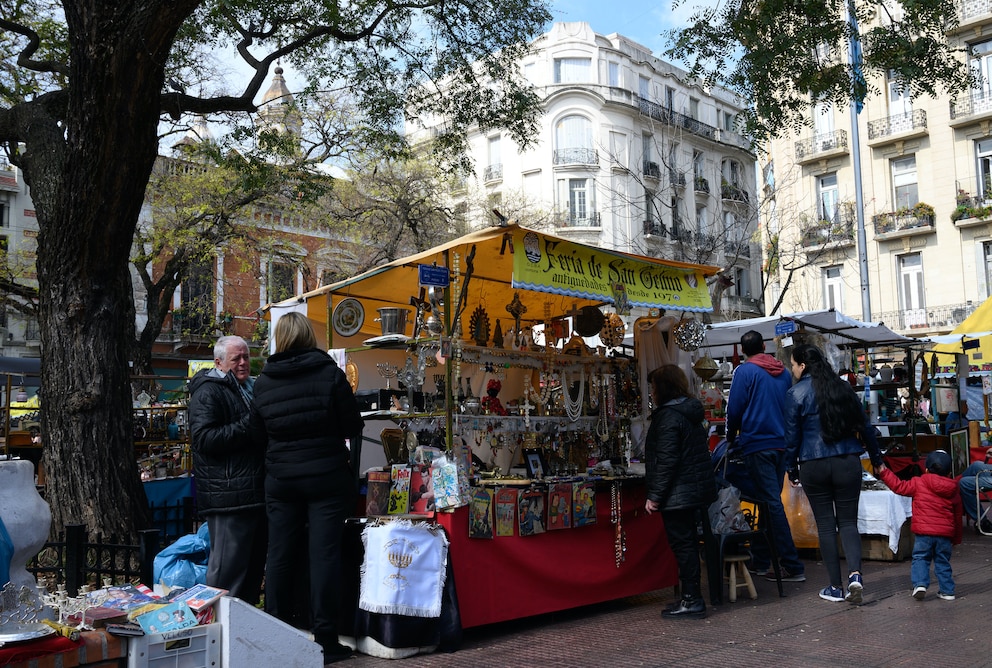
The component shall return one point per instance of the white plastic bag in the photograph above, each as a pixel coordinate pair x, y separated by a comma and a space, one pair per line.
725, 512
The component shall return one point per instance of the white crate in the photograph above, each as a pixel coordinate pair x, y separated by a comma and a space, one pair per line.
196, 647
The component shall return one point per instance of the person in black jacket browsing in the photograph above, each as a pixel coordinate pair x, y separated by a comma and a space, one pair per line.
228, 467
680, 479
307, 410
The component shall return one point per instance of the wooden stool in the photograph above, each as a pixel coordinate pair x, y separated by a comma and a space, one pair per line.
738, 565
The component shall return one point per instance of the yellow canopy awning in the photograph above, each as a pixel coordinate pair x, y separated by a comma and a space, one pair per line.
972, 336
543, 269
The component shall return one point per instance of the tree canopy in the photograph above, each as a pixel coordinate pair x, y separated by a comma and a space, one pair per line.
83, 89
784, 56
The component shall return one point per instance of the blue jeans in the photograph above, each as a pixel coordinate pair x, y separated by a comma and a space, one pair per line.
938, 550
767, 472
976, 474
833, 487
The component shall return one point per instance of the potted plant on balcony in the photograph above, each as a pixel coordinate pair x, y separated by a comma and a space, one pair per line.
923, 212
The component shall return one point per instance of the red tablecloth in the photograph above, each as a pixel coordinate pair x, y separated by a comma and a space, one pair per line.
514, 577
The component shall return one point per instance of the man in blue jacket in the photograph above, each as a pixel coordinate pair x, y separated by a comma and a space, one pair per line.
756, 426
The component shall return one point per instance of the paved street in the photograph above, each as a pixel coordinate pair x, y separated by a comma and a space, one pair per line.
889, 629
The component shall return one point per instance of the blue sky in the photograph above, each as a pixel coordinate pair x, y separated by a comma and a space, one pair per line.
644, 21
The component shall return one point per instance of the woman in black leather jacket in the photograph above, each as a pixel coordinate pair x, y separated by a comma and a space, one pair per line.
826, 430
680, 479
305, 406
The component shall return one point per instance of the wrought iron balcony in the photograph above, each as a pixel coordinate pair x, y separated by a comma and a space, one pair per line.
839, 228
493, 172
821, 143
899, 123
972, 9
591, 219
654, 228
700, 185
978, 102
728, 191
675, 119
576, 156
651, 169
920, 218
676, 178
945, 316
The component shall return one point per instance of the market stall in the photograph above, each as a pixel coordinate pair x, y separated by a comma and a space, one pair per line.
505, 348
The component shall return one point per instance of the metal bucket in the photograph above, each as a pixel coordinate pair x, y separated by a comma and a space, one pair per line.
392, 320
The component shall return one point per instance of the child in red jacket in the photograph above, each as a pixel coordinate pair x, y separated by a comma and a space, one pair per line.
936, 522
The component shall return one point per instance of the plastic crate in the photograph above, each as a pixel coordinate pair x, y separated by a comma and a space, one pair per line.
196, 647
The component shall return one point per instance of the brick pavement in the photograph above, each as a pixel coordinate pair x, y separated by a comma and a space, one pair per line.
889, 629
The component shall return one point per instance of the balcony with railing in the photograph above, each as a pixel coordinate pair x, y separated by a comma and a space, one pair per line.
971, 108
733, 193
8, 176
493, 173
700, 185
934, 318
576, 156
908, 221
680, 232
651, 170
835, 230
971, 209
741, 304
896, 127
825, 145
589, 219
971, 12
739, 248
676, 178
655, 228
677, 120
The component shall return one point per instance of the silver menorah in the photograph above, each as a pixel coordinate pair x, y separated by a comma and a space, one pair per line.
387, 371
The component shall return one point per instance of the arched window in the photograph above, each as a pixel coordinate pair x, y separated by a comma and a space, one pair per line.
573, 141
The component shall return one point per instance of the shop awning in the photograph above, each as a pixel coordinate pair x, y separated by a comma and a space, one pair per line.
972, 336
542, 268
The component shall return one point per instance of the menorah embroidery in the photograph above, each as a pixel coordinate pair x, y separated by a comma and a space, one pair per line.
400, 553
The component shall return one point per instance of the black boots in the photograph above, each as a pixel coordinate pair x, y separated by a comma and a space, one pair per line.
688, 607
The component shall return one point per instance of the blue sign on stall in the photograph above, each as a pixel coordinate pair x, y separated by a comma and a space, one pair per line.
785, 327
433, 275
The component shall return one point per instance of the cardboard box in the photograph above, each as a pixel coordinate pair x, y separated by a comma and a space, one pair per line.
196, 647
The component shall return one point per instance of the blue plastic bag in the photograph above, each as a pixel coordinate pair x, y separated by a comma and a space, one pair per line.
6, 554
184, 563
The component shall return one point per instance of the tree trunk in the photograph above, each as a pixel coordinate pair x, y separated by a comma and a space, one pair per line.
87, 205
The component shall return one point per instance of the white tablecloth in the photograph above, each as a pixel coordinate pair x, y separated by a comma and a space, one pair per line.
883, 512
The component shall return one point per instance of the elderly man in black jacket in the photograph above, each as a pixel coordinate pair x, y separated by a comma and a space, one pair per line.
229, 470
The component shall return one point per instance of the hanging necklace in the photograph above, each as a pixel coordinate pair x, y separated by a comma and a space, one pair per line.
620, 536
573, 408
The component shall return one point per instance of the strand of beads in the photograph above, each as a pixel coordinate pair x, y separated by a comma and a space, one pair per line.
573, 408
616, 519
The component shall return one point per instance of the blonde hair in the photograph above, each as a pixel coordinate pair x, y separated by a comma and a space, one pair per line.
294, 332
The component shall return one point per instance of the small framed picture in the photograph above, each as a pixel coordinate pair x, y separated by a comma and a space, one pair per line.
537, 467
960, 452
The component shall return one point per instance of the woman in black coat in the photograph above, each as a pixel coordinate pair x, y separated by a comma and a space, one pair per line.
307, 409
680, 478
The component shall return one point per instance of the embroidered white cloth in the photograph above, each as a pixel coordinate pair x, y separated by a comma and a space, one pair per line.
403, 571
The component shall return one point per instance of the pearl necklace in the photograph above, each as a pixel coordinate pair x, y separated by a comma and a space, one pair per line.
573, 408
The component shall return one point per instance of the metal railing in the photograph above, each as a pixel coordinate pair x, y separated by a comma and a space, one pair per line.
838, 228
677, 120
676, 178
733, 193
591, 219
493, 172
969, 9
977, 102
896, 221
651, 169
700, 185
654, 228
821, 143
945, 316
911, 120
576, 156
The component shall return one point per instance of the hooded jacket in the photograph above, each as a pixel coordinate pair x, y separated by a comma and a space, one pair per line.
936, 503
755, 409
305, 406
228, 459
678, 468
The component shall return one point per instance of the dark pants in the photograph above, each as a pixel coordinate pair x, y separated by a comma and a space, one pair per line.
307, 513
833, 487
680, 527
767, 472
237, 552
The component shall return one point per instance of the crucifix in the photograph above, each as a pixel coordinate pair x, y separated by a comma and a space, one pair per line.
516, 308
526, 406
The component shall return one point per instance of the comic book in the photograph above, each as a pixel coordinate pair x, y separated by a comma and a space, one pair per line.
377, 493
122, 597
421, 490
531, 513
560, 506
506, 511
171, 617
583, 503
480, 517
198, 597
399, 491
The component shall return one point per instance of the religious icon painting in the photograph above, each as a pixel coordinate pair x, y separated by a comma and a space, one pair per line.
506, 511
560, 506
480, 513
583, 503
377, 493
531, 513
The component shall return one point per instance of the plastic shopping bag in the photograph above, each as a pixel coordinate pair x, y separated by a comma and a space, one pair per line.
184, 563
725, 512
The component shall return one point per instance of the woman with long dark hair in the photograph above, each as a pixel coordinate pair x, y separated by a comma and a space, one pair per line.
826, 430
680, 479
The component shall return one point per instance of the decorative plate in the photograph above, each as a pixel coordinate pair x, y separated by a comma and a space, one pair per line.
21, 631
348, 317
